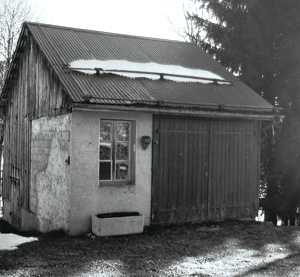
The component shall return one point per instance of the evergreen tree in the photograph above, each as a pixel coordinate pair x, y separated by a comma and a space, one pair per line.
259, 41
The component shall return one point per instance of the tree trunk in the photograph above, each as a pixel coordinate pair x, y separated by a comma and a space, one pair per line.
271, 216
292, 218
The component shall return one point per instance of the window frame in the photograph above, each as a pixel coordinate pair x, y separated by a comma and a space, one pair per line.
114, 142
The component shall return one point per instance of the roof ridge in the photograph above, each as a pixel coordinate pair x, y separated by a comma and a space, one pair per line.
106, 33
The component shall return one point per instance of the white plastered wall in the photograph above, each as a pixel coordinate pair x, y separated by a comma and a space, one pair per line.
87, 197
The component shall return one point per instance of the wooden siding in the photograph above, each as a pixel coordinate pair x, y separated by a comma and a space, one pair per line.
34, 92
204, 169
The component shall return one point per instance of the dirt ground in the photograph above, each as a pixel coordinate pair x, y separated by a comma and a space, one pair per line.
228, 248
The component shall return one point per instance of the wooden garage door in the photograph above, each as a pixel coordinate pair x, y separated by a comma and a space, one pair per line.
204, 169
180, 170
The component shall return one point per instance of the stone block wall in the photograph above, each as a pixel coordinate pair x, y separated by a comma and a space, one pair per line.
50, 172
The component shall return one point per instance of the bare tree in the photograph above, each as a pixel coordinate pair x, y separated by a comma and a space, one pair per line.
190, 31
12, 15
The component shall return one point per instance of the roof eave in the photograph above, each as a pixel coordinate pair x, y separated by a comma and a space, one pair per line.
212, 113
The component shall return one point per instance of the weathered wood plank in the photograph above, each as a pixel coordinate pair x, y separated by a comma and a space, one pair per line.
177, 167
171, 154
29, 97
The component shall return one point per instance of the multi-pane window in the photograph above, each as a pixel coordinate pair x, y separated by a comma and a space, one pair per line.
115, 157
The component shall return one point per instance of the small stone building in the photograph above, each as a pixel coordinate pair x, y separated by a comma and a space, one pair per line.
98, 123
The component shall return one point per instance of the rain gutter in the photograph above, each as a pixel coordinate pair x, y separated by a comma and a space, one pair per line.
177, 111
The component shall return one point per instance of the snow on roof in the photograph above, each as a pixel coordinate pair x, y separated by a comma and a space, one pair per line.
150, 70
11, 241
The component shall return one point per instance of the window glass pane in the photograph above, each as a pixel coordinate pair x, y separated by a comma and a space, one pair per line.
105, 130
105, 151
122, 151
122, 171
122, 132
105, 171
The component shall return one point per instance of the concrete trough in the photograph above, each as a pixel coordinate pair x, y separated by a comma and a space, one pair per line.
117, 224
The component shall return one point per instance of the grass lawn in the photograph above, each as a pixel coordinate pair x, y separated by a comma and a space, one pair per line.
229, 248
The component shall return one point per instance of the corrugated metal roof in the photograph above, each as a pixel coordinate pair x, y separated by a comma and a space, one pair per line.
62, 45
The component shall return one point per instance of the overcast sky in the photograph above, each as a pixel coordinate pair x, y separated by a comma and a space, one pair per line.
135, 17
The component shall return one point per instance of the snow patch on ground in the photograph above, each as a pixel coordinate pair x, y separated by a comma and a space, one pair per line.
146, 70
11, 241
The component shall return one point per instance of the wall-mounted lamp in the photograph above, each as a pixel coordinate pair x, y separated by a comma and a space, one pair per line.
146, 140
